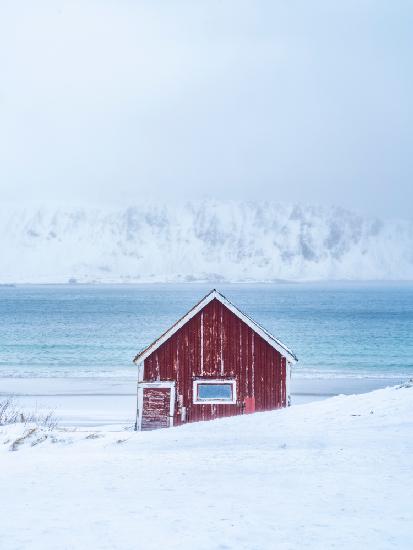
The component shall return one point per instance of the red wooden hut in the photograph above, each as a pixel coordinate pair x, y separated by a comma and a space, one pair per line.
214, 362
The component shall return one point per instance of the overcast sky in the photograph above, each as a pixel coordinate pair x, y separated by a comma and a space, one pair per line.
115, 101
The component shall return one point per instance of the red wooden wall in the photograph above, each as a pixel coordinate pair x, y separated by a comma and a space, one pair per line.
216, 343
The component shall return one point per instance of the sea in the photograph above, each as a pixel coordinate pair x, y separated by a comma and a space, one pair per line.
337, 330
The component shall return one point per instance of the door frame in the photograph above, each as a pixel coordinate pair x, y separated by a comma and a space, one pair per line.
141, 386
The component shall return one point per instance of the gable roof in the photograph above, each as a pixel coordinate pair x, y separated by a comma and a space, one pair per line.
215, 295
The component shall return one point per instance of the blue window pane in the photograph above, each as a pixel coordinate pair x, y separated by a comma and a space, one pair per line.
215, 391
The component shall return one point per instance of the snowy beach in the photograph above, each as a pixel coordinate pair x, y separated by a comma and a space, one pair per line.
98, 401
333, 474
319, 474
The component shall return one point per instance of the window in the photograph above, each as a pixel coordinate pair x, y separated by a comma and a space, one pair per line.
215, 391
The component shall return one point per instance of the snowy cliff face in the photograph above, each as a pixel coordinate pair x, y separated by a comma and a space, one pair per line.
199, 241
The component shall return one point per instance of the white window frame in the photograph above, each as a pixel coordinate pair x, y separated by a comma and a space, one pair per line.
213, 381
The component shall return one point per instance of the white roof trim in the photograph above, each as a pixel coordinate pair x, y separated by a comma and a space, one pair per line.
214, 294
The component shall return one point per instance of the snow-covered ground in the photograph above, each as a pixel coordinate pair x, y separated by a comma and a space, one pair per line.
337, 473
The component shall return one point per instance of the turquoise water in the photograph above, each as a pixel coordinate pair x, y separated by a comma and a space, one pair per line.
336, 330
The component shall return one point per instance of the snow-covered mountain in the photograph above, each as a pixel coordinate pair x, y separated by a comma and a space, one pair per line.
199, 241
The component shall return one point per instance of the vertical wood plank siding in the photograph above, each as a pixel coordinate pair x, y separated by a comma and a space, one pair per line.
215, 343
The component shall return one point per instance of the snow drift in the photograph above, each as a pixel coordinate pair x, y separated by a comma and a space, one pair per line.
332, 474
201, 241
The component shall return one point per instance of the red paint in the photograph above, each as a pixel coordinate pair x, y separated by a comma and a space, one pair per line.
227, 349
249, 405
156, 408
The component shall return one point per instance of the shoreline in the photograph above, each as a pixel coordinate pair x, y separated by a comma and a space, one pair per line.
88, 402
83, 385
